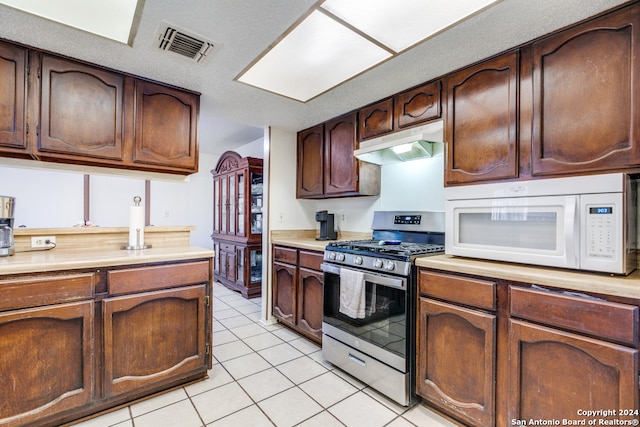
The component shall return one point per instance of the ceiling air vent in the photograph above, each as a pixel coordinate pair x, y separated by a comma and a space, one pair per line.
183, 43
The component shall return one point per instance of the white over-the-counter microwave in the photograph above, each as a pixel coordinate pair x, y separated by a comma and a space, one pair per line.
584, 223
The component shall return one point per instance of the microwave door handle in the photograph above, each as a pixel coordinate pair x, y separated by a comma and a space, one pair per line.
572, 231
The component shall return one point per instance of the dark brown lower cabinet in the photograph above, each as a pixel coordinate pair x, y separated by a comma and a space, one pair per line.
75, 343
46, 361
457, 359
309, 310
556, 375
297, 290
168, 340
284, 292
494, 352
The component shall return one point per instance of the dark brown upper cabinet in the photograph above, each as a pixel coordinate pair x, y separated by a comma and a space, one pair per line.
376, 119
61, 110
404, 110
310, 162
481, 122
326, 166
13, 61
81, 111
586, 96
418, 105
340, 165
166, 127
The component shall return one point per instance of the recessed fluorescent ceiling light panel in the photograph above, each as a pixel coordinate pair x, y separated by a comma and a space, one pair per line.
347, 37
400, 24
318, 54
107, 18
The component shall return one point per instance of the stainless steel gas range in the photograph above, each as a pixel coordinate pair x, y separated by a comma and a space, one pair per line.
370, 291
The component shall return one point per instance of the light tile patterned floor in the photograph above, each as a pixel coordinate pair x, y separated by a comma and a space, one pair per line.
267, 376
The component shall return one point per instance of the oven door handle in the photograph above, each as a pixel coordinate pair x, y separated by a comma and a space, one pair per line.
377, 279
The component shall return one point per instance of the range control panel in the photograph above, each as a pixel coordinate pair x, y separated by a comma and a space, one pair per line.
407, 219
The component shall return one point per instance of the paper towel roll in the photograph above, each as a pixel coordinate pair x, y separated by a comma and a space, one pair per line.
136, 225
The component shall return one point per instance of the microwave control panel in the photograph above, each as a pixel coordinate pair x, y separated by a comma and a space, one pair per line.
601, 231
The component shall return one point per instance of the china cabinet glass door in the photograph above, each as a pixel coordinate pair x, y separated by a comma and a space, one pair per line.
240, 259
256, 203
216, 205
232, 204
255, 259
224, 184
241, 204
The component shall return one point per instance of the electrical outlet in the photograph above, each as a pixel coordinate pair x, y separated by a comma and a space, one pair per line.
343, 217
43, 241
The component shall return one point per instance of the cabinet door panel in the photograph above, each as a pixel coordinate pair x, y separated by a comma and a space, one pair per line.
555, 375
309, 312
376, 119
418, 105
231, 266
153, 337
46, 361
12, 96
588, 121
456, 360
166, 127
310, 162
81, 110
341, 167
481, 125
284, 292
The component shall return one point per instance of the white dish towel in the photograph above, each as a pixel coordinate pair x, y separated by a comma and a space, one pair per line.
352, 293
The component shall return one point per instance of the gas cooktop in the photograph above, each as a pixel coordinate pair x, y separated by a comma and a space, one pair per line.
399, 237
385, 247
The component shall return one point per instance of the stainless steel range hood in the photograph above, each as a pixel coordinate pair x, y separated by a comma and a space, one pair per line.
409, 144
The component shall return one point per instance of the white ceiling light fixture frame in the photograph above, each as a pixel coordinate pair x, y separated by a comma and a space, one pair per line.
341, 39
113, 19
401, 24
318, 54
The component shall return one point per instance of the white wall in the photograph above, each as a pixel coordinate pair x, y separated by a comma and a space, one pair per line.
48, 196
43, 198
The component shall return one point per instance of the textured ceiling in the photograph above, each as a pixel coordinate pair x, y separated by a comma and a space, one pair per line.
233, 114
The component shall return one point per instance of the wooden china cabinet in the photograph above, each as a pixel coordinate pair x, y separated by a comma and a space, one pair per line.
237, 223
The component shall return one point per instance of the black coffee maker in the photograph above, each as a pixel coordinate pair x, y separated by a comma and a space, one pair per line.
7, 206
327, 230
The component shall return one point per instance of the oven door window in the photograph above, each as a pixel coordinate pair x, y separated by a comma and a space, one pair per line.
385, 314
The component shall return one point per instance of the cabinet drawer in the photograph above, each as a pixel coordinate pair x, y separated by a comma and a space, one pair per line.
311, 260
37, 291
157, 277
288, 255
227, 247
582, 314
462, 290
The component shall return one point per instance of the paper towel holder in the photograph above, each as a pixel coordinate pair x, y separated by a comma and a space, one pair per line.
139, 244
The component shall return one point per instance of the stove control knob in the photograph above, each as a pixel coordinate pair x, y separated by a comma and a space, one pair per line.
389, 265
332, 255
377, 263
357, 260
340, 257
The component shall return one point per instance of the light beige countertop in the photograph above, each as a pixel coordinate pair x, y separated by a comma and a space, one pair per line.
623, 286
306, 239
69, 259
79, 248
